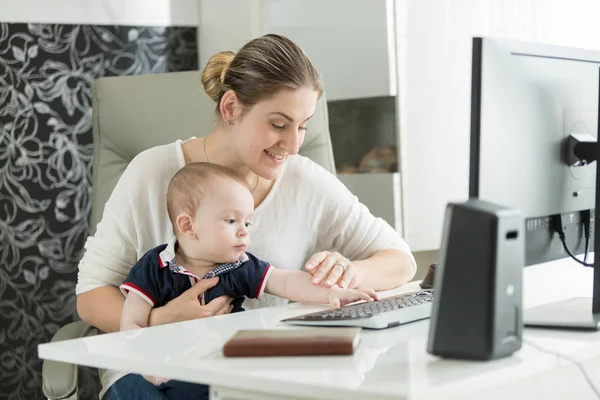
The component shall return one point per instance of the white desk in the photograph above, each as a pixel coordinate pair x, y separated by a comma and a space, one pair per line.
390, 364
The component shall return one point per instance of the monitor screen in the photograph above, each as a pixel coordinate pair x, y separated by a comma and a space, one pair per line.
527, 100
534, 107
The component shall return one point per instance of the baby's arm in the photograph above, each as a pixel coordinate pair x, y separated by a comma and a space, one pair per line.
297, 286
136, 311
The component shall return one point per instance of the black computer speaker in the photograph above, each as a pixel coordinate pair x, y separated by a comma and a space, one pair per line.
478, 292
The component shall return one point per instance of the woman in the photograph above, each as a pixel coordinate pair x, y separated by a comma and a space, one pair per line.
265, 94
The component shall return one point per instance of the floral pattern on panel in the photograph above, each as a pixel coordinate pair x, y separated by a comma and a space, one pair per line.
46, 77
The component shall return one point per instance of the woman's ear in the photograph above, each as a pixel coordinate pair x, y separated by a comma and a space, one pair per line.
230, 106
185, 225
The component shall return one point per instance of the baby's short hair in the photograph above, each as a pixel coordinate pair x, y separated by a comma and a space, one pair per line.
188, 187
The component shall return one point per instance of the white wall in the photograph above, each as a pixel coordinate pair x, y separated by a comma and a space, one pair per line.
216, 30
350, 41
101, 12
435, 82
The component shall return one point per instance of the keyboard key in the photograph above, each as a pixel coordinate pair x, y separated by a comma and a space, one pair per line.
366, 310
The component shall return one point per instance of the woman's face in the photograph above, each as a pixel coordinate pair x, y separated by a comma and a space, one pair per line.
273, 129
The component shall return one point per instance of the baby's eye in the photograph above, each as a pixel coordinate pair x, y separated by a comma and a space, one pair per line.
248, 224
230, 221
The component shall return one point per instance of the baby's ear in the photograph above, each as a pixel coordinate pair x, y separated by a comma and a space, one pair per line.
185, 225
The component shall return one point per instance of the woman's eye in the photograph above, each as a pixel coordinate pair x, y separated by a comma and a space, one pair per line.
278, 127
230, 221
302, 128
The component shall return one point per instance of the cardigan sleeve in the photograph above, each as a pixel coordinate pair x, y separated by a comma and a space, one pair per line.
346, 225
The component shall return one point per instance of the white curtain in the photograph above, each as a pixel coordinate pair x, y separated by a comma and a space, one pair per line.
434, 50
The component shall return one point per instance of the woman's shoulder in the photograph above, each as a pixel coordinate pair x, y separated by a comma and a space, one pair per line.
158, 155
311, 183
306, 170
156, 163
305, 173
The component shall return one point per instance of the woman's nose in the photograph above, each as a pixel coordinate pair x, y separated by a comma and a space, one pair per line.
293, 142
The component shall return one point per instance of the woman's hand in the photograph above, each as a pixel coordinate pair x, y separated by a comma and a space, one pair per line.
187, 306
330, 267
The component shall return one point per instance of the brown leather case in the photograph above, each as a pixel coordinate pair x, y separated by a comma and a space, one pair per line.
292, 342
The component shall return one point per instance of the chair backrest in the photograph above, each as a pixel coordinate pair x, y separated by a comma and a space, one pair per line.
134, 113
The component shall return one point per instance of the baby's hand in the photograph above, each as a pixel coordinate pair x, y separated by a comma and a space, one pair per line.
339, 297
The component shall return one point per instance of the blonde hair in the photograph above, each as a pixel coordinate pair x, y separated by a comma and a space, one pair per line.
261, 68
189, 187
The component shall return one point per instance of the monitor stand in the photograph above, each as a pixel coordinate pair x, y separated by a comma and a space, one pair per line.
581, 313
575, 313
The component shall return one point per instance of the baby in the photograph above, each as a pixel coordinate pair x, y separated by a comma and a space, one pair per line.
211, 208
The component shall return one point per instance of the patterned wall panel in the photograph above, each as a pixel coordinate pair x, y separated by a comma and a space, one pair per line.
46, 77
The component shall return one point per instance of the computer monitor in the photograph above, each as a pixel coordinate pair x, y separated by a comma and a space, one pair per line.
531, 104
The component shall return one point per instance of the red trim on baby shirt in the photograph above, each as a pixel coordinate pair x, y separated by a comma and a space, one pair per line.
262, 281
138, 289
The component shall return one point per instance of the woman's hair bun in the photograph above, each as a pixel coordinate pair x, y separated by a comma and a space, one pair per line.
214, 73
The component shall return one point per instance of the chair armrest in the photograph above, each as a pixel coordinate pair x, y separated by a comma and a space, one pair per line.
59, 379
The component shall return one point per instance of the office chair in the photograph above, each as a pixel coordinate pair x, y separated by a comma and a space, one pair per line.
132, 114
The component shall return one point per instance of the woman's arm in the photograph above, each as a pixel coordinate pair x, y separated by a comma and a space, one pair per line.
103, 307
386, 269
360, 249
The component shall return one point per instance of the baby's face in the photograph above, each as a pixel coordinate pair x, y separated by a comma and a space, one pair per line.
223, 219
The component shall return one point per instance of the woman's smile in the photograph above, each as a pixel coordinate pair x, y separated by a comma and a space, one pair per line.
274, 157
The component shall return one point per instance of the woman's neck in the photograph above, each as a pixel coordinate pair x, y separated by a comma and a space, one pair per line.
218, 149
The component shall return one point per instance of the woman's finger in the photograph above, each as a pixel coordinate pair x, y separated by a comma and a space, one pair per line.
224, 310
202, 286
218, 306
322, 270
346, 279
315, 260
335, 273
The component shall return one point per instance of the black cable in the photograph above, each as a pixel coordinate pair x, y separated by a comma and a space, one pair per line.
587, 250
564, 243
557, 226
576, 363
586, 219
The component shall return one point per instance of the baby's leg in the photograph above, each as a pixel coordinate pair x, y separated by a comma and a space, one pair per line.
155, 380
179, 390
134, 387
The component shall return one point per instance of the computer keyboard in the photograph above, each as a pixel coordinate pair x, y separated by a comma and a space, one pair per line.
386, 313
